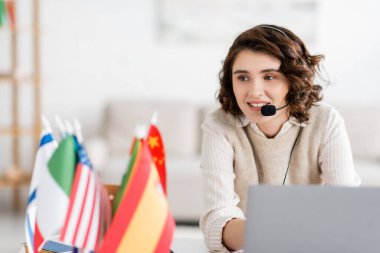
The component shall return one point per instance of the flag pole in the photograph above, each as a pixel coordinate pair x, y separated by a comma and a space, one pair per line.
61, 127
141, 131
153, 121
45, 122
69, 128
78, 130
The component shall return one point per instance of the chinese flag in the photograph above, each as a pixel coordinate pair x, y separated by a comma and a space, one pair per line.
157, 150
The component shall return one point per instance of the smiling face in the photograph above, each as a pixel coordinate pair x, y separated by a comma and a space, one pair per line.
256, 81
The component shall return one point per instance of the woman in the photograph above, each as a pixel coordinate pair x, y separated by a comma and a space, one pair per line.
270, 129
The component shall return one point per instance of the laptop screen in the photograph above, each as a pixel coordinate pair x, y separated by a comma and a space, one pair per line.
312, 219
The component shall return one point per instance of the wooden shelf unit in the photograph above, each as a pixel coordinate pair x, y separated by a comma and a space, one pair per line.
21, 79
14, 176
18, 132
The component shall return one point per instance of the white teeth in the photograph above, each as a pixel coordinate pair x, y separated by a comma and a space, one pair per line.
256, 105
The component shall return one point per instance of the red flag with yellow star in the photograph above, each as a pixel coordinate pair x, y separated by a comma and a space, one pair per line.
157, 150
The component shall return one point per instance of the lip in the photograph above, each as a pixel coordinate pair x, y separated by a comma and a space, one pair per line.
256, 109
257, 102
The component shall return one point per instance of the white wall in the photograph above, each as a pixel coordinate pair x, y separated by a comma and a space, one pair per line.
350, 39
95, 51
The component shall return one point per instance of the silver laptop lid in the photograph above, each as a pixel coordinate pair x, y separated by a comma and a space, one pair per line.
312, 219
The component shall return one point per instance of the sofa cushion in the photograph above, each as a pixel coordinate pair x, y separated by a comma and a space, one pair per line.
183, 181
363, 127
177, 121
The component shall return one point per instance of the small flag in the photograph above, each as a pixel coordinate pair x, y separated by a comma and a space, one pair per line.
46, 148
11, 13
105, 212
2, 12
143, 221
54, 190
135, 156
156, 147
82, 222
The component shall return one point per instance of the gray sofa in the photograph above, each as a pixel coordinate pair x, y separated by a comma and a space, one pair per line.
363, 127
179, 123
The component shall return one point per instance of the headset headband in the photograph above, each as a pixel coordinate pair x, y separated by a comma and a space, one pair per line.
276, 29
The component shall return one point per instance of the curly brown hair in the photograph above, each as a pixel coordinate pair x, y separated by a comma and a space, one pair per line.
297, 64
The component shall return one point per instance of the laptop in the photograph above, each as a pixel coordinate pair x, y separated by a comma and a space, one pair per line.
312, 219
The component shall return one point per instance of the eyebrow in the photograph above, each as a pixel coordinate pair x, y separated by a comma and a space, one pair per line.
241, 71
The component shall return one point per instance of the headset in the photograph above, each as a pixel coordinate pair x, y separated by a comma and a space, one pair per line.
270, 110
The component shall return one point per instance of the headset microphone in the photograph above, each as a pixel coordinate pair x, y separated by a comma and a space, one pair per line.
270, 110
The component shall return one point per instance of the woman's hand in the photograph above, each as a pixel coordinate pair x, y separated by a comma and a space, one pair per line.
233, 234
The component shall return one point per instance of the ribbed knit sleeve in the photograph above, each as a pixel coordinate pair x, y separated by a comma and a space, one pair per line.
335, 156
218, 182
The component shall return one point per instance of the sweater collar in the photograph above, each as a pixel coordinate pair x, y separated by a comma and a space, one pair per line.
244, 121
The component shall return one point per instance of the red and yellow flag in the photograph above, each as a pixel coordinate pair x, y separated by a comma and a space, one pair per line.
132, 165
156, 146
143, 221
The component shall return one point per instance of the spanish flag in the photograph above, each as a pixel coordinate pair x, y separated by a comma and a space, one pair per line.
143, 222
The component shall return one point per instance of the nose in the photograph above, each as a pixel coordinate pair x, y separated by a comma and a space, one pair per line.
256, 88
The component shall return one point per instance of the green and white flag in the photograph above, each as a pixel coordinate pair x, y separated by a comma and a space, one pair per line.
54, 188
2, 12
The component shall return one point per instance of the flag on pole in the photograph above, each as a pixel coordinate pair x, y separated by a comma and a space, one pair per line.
11, 13
135, 156
143, 221
2, 12
46, 148
82, 222
156, 147
105, 213
54, 191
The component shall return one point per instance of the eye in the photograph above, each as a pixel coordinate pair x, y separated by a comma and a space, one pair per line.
243, 78
269, 77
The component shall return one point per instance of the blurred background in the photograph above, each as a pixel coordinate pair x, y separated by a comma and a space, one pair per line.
93, 53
